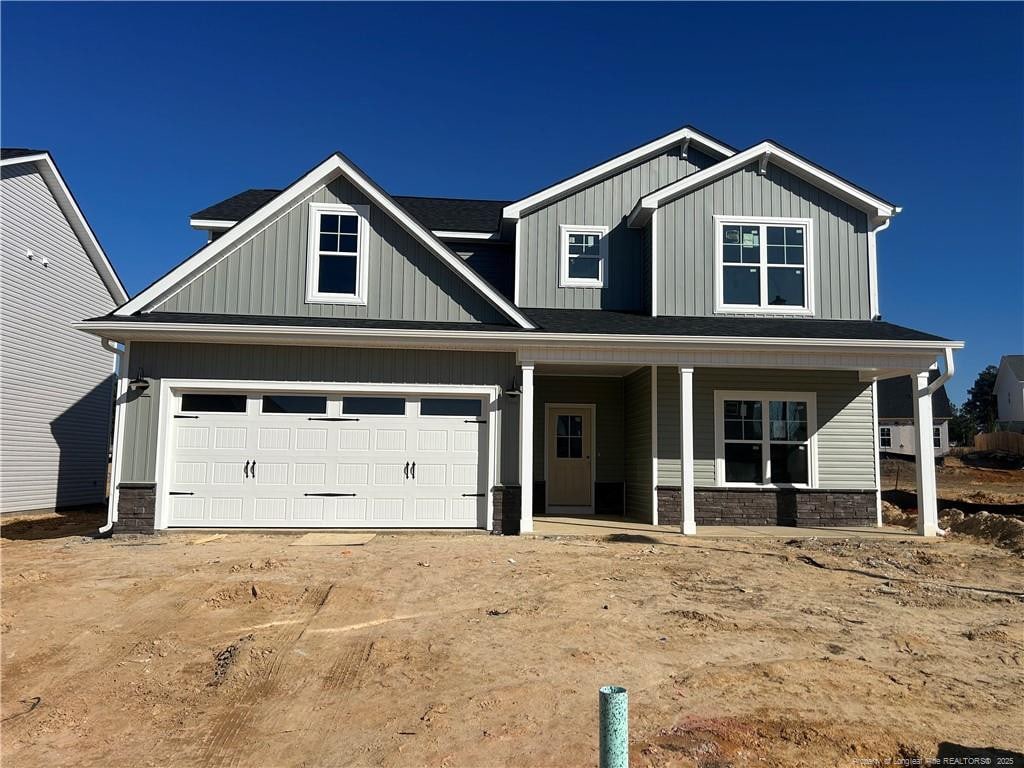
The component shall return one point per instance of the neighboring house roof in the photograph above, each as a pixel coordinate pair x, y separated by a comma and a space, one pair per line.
334, 166
453, 214
687, 134
896, 399
8, 153
69, 207
1015, 364
585, 321
765, 151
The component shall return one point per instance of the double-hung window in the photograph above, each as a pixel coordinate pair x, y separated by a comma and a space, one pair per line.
936, 437
763, 265
765, 438
885, 437
583, 261
336, 270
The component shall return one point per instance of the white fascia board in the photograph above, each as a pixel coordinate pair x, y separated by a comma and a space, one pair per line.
76, 219
445, 234
141, 330
518, 208
325, 172
776, 155
216, 225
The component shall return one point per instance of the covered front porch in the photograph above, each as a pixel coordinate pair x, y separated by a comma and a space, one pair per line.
625, 529
746, 442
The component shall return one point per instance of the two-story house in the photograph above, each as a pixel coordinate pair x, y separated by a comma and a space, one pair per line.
684, 333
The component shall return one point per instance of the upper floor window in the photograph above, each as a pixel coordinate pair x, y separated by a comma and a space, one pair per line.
763, 265
583, 262
336, 263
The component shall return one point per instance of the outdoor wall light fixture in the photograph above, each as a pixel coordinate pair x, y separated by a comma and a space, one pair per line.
513, 390
139, 383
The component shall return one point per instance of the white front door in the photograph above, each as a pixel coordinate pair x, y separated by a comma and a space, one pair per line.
327, 460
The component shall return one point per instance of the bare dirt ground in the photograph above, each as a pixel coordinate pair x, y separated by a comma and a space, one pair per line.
959, 482
475, 650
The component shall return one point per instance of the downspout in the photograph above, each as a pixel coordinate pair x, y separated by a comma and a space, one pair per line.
944, 377
873, 267
112, 442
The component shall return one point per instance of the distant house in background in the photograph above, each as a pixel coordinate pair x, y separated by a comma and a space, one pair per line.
55, 382
1009, 391
896, 417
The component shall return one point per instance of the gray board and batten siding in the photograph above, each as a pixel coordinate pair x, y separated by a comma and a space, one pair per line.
845, 427
604, 203
308, 364
686, 241
56, 381
266, 274
637, 439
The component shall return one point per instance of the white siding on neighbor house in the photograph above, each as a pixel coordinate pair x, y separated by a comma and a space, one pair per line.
1009, 392
901, 433
846, 432
55, 405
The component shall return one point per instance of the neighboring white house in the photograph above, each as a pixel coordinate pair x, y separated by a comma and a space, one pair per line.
896, 417
1009, 391
55, 382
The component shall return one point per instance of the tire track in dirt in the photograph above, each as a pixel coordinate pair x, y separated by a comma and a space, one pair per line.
220, 748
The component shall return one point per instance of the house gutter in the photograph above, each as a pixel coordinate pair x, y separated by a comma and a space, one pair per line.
113, 442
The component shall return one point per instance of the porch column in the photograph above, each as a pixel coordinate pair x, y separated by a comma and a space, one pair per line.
526, 450
687, 523
924, 453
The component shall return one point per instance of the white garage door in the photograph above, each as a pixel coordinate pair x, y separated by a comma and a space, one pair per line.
311, 460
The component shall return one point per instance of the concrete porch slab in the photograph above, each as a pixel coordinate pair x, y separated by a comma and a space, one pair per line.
588, 525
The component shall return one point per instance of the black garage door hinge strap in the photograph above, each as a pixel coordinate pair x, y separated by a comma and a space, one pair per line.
476, 421
181, 416
332, 495
330, 418
182, 493
474, 495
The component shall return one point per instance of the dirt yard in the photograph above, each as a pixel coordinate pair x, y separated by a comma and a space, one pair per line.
955, 481
474, 650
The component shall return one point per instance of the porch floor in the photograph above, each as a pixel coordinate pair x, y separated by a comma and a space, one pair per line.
590, 525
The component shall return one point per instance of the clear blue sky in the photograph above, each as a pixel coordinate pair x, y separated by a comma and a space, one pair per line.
154, 111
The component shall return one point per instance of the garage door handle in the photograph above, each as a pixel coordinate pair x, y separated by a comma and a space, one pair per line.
414, 470
474, 495
331, 418
332, 495
246, 470
407, 470
254, 469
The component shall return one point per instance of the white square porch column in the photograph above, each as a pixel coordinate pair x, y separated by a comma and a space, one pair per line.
924, 453
687, 523
526, 451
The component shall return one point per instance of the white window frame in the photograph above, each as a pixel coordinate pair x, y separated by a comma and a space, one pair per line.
763, 308
564, 281
765, 396
937, 438
884, 433
314, 296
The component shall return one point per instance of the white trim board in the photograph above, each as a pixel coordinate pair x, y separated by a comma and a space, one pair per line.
776, 155
592, 407
76, 219
334, 166
609, 167
167, 402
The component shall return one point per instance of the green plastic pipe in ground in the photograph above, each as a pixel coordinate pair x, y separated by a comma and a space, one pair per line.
614, 714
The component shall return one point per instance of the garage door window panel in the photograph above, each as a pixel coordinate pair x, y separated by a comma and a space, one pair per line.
297, 404
203, 402
373, 406
438, 406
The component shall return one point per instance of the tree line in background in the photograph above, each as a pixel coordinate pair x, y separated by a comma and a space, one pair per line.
979, 412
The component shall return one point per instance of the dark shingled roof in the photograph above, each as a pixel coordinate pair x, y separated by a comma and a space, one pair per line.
592, 321
8, 153
444, 213
1016, 365
896, 399
607, 321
